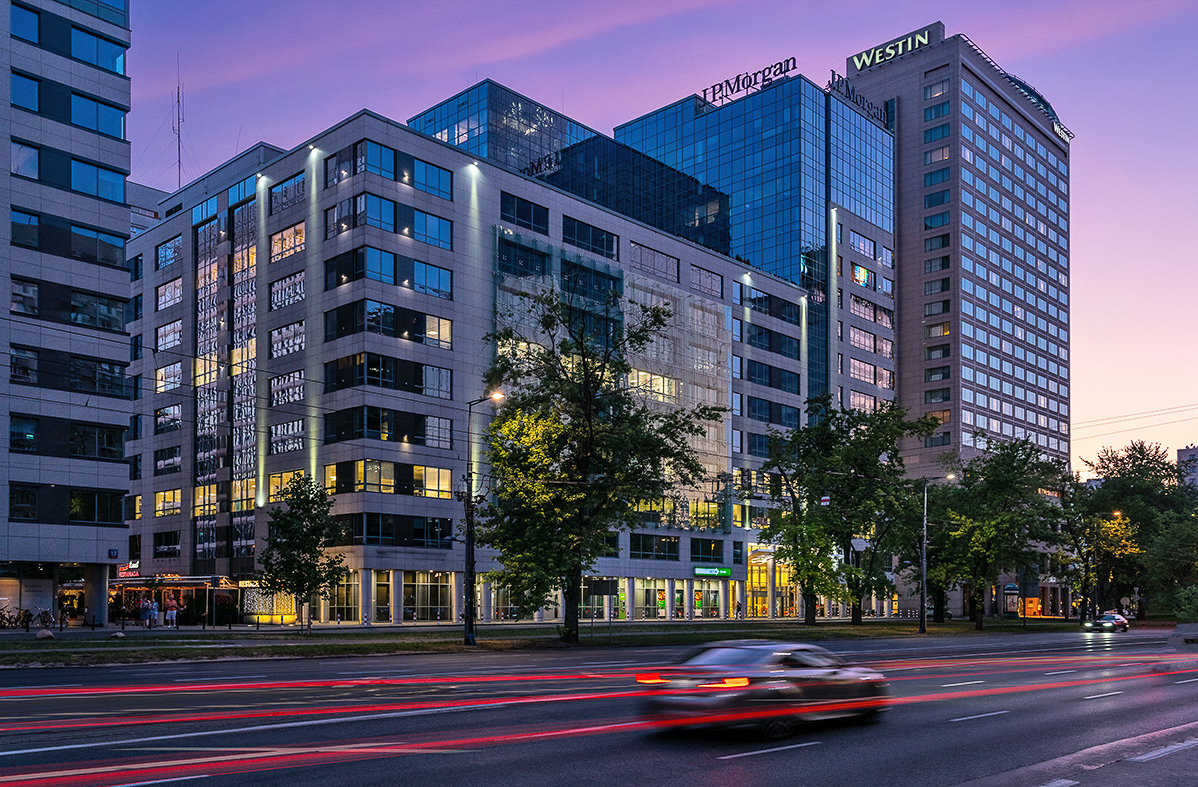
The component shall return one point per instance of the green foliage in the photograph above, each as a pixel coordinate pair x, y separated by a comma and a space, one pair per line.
296, 559
852, 457
1185, 604
1000, 518
575, 450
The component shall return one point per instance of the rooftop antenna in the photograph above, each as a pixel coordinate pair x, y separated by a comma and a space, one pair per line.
177, 125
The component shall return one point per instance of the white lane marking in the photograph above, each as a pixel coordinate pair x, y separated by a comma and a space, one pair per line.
165, 781
1131, 664
1161, 752
256, 728
981, 715
1187, 680
963, 683
1060, 783
1061, 672
767, 751
223, 677
1100, 696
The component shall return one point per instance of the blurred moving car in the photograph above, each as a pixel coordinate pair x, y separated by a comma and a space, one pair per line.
1110, 621
764, 684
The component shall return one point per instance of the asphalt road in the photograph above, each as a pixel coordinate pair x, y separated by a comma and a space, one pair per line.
993, 711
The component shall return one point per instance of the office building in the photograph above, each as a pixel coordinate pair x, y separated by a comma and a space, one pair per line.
65, 398
323, 310
983, 231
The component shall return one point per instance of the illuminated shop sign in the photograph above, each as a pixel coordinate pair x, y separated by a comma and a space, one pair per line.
842, 86
892, 49
703, 571
754, 80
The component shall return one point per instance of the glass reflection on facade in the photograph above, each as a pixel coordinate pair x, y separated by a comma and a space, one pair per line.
210, 410
243, 371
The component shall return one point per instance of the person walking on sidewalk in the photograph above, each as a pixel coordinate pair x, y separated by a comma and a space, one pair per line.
172, 608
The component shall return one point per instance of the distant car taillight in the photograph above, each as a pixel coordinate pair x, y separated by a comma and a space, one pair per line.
650, 677
726, 683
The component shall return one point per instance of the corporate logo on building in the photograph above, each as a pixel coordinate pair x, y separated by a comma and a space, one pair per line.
550, 162
841, 85
754, 80
892, 49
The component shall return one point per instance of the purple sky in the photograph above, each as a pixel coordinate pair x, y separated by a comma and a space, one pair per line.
1120, 74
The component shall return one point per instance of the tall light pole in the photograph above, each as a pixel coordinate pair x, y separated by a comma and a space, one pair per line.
468, 618
923, 562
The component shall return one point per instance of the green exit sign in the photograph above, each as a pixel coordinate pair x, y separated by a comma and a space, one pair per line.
712, 572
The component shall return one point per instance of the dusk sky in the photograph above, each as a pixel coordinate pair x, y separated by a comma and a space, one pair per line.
1120, 74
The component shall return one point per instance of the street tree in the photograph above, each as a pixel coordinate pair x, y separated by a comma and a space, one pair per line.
840, 495
1000, 516
577, 449
297, 559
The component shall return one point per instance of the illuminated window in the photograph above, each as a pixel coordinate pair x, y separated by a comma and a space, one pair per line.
204, 500
169, 335
432, 482
169, 294
168, 377
168, 502
279, 482
863, 277
655, 386
288, 242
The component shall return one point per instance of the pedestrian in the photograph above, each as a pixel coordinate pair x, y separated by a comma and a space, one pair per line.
143, 612
172, 608
738, 610
153, 612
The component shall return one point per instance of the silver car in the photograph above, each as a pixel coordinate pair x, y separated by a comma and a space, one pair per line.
769, 685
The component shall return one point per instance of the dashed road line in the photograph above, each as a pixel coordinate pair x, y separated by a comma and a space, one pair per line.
767, 751
980, 716
1100, 696
962, 683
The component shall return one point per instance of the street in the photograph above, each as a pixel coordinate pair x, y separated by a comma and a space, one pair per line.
1020, 711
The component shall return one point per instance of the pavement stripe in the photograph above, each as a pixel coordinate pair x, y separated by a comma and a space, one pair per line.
1061, 672
1165, 750
767, 751
1100, 696
981, 715
1188, 680
1060, 783
963, 683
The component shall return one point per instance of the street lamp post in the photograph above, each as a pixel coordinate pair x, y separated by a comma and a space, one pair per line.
923, 561
469, 501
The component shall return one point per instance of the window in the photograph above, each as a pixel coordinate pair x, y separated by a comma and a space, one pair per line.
938, 439
933, 331
943, 416
432, 482
939, 154
707, 282
25, 229
860, 370
433, 180
936, 307
643, 546
936, 89
92, 505
935, 264
936, 242
168, 502
707, 550
937, 395
97, 181
169, 335
936, 132
22, 434
936, 286
517, 260
287, 340
288, 242
863, 340
100, 52
168, 460
168, 253
588, 238
25, 92
96, 246
862, 245
97, 116
25, 160
24, 297
432, 280
94, 376
170, 293
862, 401
287, 388
23, 365
863, 276
433, 230
289, 192
168, 419
168, 377
936, 352
936, 111
935, 198
653, 261
524, 213
936, 374
97, 311
25, 24
935, 220
22, 501
166, 544
936, 176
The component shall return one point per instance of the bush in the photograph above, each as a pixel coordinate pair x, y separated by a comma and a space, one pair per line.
1185, 604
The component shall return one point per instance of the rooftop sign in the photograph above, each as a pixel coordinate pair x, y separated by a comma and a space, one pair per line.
841, 85
898, 47
761, 78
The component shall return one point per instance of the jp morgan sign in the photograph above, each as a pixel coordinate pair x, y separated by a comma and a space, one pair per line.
903, 45
842, 86
750, 80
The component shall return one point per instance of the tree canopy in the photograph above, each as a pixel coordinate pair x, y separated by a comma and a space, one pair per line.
576, 450
296, 559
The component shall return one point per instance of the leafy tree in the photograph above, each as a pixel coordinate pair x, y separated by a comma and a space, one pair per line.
575, 450
296, 559
1000, 519
852, 457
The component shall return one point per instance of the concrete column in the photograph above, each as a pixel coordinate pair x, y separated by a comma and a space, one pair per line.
366, 596
669, 599
95, 593
772, 592
688, 598
488, 604
630, 598
324, 610
724, 606
458, 608
396, 596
